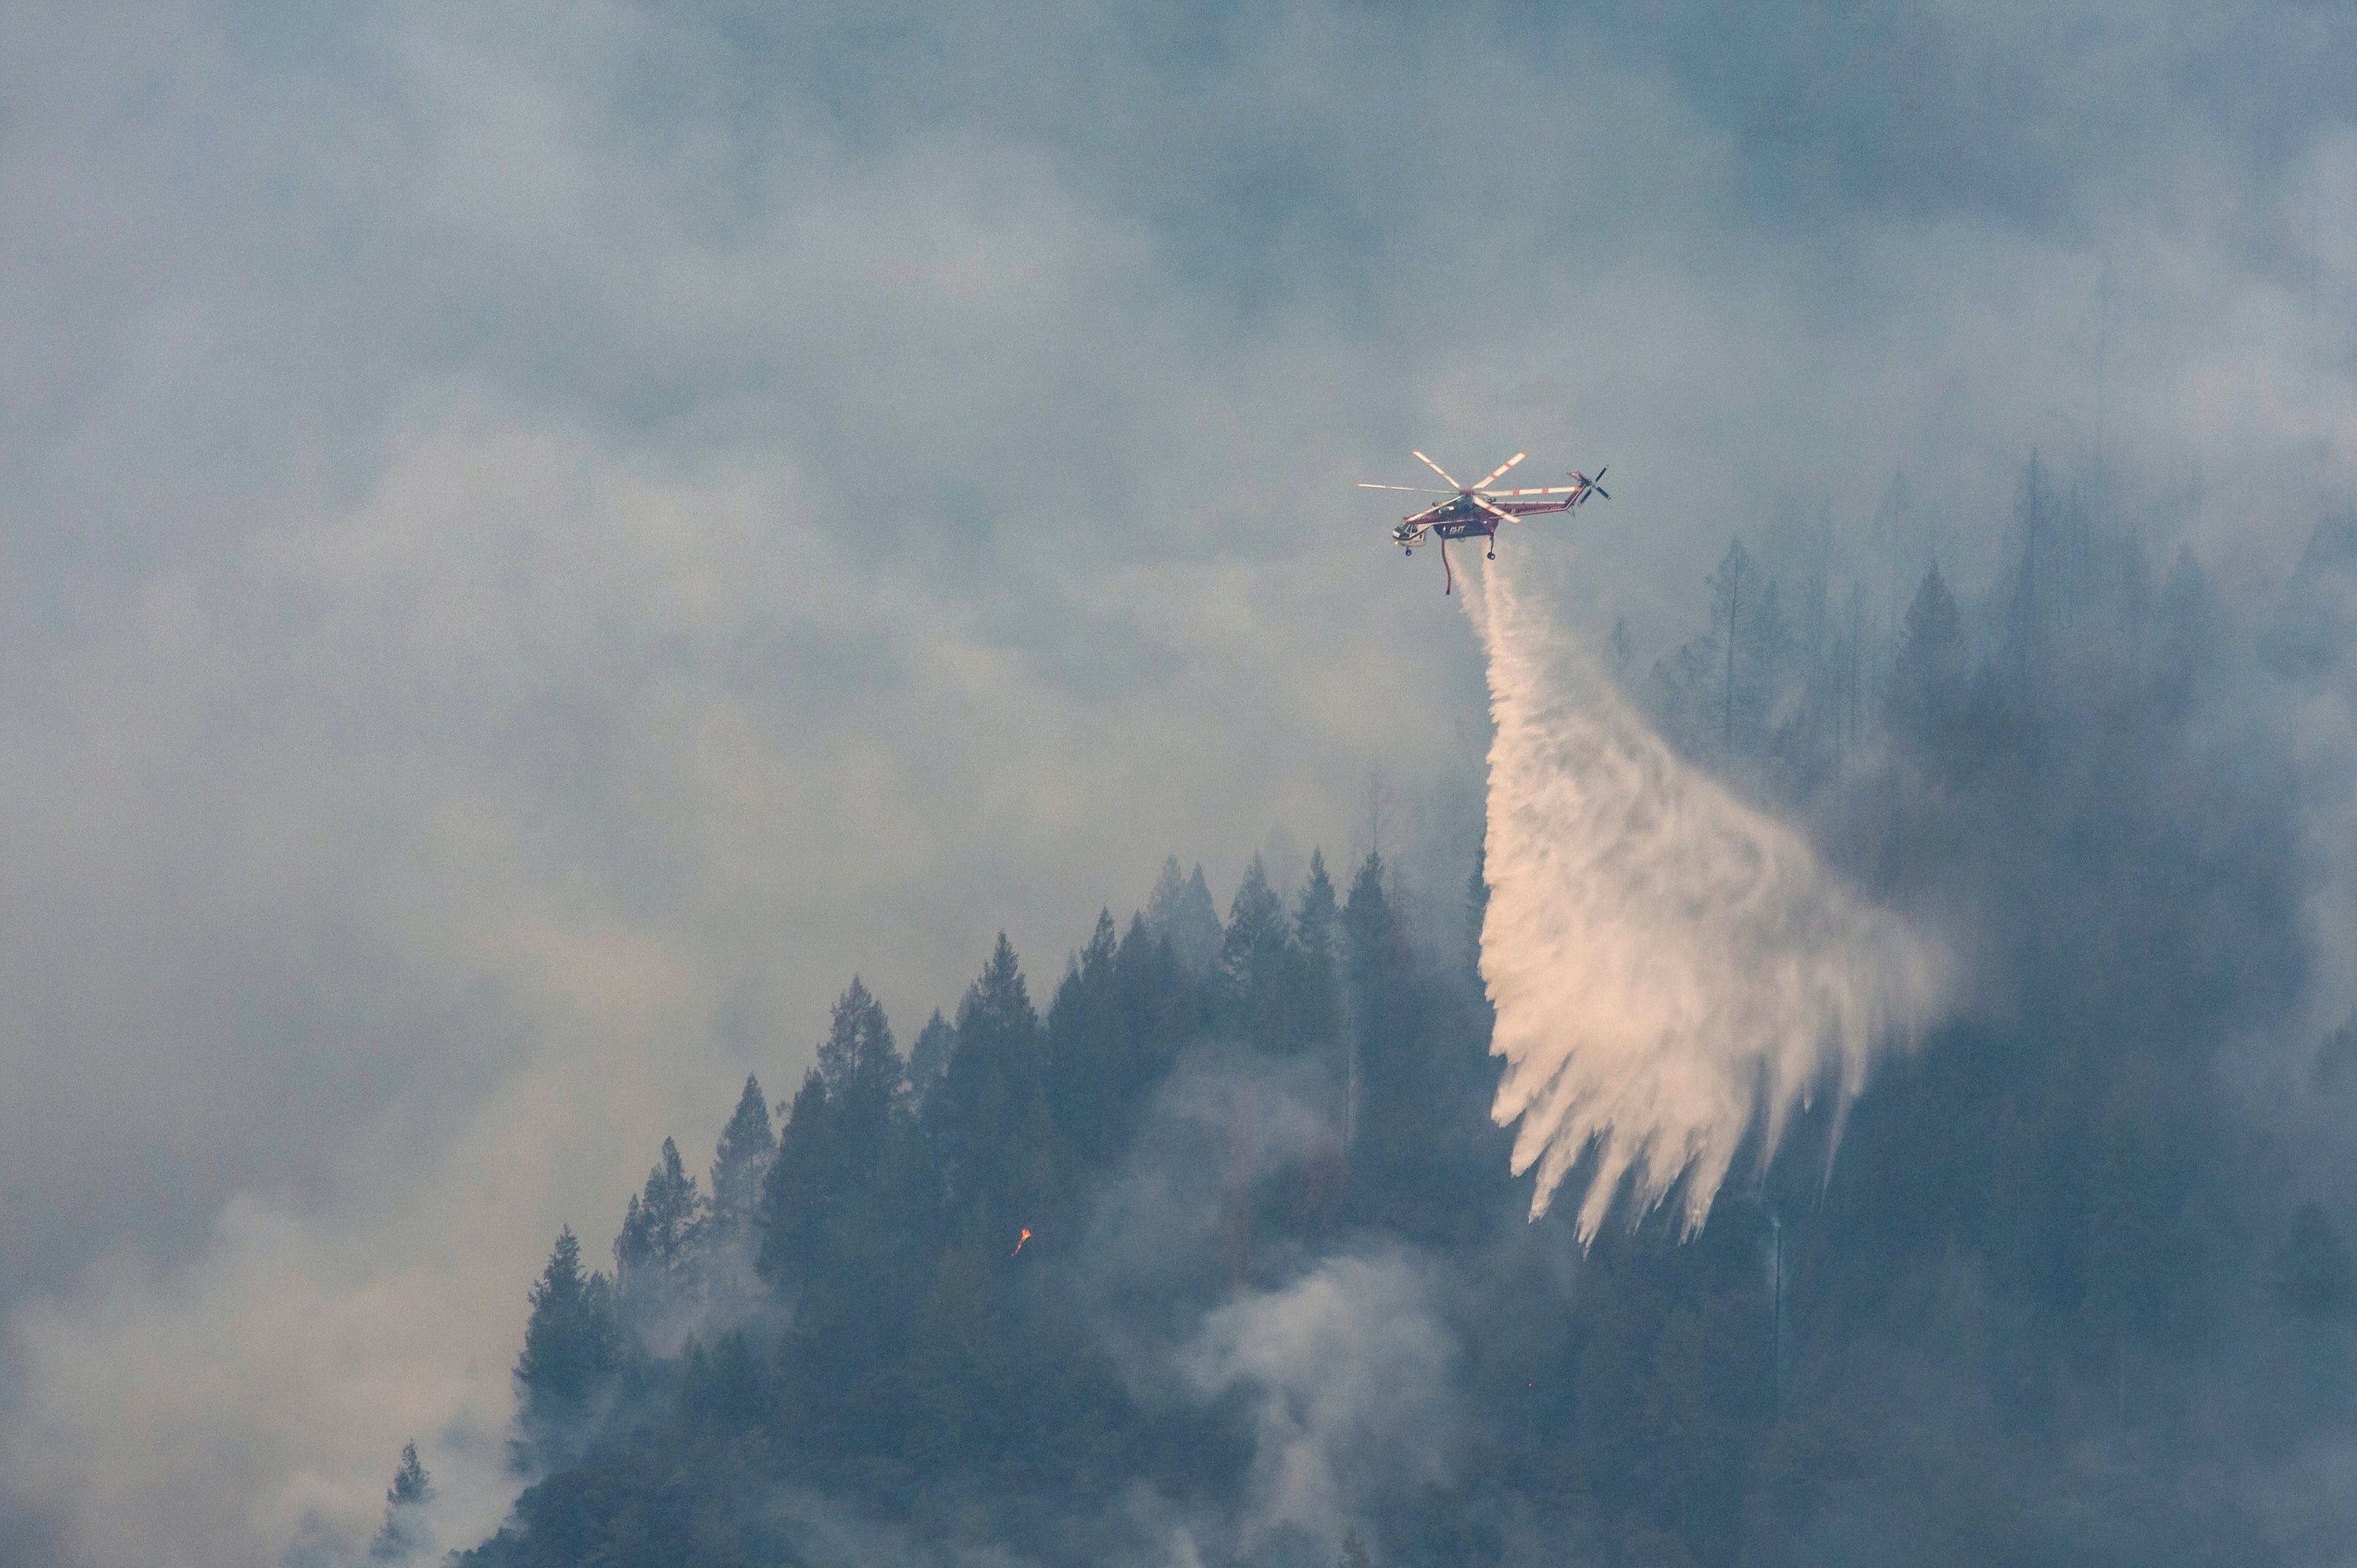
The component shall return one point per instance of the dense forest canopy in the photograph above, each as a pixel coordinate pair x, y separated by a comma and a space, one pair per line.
1208, 1253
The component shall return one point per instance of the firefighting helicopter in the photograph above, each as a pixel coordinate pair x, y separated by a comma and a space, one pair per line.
1475, 510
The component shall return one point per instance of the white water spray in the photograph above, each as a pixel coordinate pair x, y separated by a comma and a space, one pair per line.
1667, 963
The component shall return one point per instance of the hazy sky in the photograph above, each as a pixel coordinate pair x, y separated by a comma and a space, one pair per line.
536, 539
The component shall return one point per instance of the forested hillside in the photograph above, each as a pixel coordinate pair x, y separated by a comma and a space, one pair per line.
1208, 1251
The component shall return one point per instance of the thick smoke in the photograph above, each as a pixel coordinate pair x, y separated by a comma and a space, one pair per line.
1348, 1369
1667, 963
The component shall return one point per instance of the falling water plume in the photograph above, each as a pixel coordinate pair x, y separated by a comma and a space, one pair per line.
1667, 963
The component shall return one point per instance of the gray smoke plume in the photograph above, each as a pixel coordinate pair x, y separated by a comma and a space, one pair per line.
1349, 1370
1666, 962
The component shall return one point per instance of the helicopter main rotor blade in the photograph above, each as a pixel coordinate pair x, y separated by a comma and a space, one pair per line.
1438, 469
1502, 470
1495, 511
1545, 491
1410, 489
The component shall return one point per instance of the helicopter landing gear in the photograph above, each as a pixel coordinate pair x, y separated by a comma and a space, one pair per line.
1493, 555
1406, 552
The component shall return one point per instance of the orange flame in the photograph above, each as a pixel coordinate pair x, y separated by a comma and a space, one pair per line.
1019, 1240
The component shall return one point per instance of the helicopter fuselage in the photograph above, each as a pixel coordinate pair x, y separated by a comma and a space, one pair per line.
1460, 518
1474, 512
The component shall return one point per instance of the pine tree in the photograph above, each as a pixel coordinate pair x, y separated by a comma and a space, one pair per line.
1766, 638
928, 1057
572, 1346
403, 1536
1317, 1007
1849, 676
864, 1075
568, 1340
1424, 1142
1088, 1050
1163, 1006
1381, 1025
802, 1191
1163, 895
652, 1254
1734, 595
994, 1018
1162, 902
824, 1177
1158, 997
2034, 599
989, 1121
1371, 935
1181, 913
741, 1163
858, 1058
1196, 932
1253, 959
1928, 684
851, 1201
